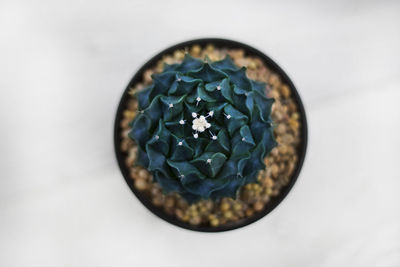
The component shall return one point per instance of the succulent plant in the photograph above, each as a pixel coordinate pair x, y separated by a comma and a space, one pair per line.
203, 128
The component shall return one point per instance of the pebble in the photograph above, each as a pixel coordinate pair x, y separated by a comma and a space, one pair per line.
285, 91
274, 80
195, 220
179, 55
195, 50
179, 213
224, 206
169, 202
249, 212
155, 190
129, 162
125, 144
265, 198
210, 48
147, 76
294, 124
124, 124
287, 139
237, 206
274, 170
252, 65
258, 206
143, 174
214, 222
228, 214
281, 128
269, 182
129, 114
140, 184
158, 200
283, 149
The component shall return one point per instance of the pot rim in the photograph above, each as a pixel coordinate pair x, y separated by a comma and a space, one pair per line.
275, 201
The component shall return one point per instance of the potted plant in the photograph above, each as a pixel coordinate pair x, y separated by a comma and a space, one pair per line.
210, 135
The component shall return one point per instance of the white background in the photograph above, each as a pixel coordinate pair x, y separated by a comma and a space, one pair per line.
64, 66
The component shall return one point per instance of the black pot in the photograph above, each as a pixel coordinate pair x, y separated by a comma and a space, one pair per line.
219, 43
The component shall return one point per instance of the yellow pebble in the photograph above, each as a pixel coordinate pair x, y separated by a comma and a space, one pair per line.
258, 206
237, 206
129, 114
224, 206
294, 124
211, 216
252, 65
274, 170
214, 222
143, 174
249, 212
210, 48
178, 54
195, 51
285, 90
140, 184
228, 214
283, 149
195, 220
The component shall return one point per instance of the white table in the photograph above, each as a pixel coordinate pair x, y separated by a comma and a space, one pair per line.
63, 67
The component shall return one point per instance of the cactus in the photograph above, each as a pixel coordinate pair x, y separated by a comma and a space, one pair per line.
203, 128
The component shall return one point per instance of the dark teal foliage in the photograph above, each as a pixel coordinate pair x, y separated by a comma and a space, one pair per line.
216, 162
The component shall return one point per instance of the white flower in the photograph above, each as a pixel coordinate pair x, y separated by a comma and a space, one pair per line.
200, 124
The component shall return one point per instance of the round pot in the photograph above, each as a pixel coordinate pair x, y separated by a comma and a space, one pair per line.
219, 43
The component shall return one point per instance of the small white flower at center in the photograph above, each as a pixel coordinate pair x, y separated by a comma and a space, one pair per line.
218, 87
182, 122
209, 161
180, 143
194, 114
200, 124
171, 105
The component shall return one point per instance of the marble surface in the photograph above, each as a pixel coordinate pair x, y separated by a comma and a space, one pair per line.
64, 65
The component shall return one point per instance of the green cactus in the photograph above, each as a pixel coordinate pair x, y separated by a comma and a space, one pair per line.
203, 128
